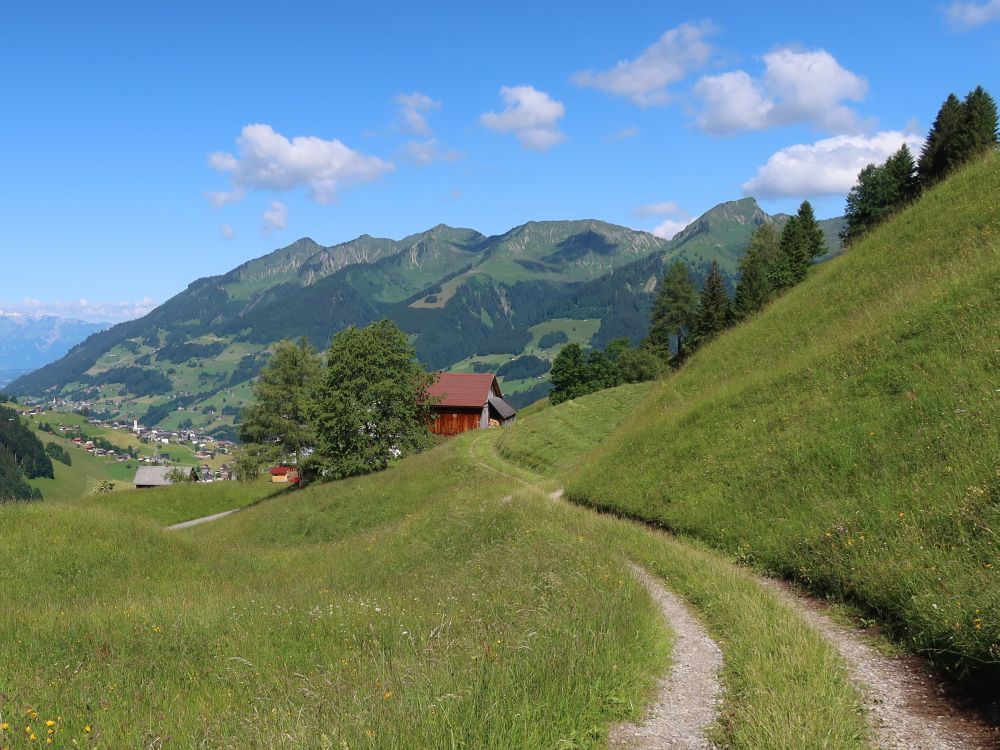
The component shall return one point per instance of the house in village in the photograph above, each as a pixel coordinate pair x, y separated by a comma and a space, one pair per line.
467, 401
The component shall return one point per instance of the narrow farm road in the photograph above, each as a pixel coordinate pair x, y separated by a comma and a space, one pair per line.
907, 709
203, 519
688, 697
905, 705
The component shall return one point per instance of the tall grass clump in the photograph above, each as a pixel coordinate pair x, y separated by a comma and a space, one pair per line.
848, 436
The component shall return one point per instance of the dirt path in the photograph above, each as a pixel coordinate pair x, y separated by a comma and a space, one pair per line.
906, 706
688, 697
203, 519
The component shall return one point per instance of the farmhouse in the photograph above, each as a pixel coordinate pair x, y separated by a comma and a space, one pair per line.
151, 476
467, 401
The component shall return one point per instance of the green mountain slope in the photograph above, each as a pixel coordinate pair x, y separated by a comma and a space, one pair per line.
849, 435
462, 297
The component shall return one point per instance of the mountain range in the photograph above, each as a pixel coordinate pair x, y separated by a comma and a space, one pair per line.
467, 300
30, 340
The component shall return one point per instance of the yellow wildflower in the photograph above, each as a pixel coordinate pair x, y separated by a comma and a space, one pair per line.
87, 729
50, 723
387, 695
4, 727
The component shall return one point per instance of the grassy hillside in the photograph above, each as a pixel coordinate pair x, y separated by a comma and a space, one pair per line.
441, 603
849, 435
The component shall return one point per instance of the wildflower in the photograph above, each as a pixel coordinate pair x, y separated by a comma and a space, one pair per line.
386, 695
87, 729
50, 723
33, 737
902, 516
4, 727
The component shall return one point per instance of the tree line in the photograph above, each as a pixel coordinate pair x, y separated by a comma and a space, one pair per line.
962, 130
22, 457
351, 414
682, 318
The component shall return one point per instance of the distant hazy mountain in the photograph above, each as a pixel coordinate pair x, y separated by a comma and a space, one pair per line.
29, 341
467, 301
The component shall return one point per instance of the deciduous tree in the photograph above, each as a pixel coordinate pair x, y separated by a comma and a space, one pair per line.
371, 404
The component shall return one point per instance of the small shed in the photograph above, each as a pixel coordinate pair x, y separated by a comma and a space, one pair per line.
151, 476
467, 401
284, 475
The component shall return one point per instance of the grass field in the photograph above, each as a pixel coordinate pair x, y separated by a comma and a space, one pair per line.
849, 435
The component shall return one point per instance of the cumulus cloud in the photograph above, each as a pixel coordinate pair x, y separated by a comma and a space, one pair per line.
676, 218
797, 87
670, 228
968, 15
275, 217
266, 160
412, 111
227, 231
427, 152
827, 167
644, 80
532, 115
84, 309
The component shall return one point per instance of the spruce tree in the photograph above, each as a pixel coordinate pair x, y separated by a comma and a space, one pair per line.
782, 271
673, 311
941, 152
754, 288
900, 180
812, 244
979, 124
714, 308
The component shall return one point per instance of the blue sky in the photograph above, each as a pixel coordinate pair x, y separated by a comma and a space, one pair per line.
145, 145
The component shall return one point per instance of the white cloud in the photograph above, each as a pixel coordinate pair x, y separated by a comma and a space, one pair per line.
227, 231
676, 217
427, 152
797, 87
267, 160
665, 208
644, 81
275, 217
84, 309
620, 135
669, 228
968, 15
532, 115
827, 167
412, 109
731, 102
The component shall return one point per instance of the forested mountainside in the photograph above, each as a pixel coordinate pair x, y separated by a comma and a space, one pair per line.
467, 300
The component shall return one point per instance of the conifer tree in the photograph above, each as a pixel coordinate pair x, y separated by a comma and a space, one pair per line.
979, 124
782, 271
754, 288
941, 152
812, 244
879, 191
714, 308
673, 311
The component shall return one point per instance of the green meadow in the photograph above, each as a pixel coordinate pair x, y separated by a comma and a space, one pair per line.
846, 437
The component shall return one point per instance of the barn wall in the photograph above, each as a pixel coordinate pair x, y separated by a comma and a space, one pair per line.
455, 422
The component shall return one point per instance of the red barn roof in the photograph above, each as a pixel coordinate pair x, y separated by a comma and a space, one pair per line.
463, 390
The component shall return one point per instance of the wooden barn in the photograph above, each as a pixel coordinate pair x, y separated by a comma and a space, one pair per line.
468, 401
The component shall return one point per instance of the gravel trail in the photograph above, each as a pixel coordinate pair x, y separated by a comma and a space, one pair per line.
689, 695
203, 519
907, 707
